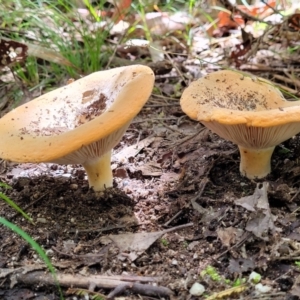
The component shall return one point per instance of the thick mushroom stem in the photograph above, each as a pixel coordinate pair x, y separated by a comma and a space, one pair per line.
255, 163
99, 172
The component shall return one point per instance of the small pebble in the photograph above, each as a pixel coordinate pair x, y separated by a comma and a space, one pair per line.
254, 277
262, 289
171, 253
73, 186
49, 252
41, 220
197, 289
192, 245
174, 262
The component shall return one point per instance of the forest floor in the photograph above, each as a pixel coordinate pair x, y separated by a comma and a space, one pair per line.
169, 172
179, 216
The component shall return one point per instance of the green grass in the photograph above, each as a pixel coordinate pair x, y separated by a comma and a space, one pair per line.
35, 246
80, 44
164, 242
56, 26
25, 236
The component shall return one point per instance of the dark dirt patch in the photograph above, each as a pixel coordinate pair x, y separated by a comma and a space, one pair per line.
155, 189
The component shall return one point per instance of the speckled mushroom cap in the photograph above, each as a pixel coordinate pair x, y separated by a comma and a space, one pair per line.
74, 123
245, 110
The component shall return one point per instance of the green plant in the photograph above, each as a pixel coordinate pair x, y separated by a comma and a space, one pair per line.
164, 242
212, 273
35, 246
238, 282
254, 277
24, 235
185, 244
58, 27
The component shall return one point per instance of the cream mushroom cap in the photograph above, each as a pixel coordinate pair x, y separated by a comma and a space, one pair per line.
246, 110
79, 123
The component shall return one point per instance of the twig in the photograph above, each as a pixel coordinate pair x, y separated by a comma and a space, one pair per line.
293, 198
113, 56
176, 68
287, 258
173, 218
178, 227
238, 244
144, 289
285, 88
291, 80
83, 292
262, 68
35, 271
195, 205
105, 282
276, 11
161, 105
163, 97
118, 290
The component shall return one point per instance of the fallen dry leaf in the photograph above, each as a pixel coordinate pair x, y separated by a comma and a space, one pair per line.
133, 150
227, 293
261, 220
296, 287
136, 243
150, 169
228, 236
48, 54
240, 265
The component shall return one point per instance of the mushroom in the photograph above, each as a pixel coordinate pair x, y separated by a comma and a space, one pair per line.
79, 123
246, 110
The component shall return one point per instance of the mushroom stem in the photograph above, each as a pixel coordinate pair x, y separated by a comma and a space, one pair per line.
99, 172
255, 163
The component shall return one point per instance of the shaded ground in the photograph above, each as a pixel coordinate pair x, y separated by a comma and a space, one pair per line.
179, 163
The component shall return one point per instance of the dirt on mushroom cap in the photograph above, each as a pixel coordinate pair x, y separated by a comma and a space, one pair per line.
55, 120
230, 97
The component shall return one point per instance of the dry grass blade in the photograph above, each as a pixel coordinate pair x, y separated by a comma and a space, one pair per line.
48, 54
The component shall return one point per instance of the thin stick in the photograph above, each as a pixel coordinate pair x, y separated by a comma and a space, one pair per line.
105, 282
173, 218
